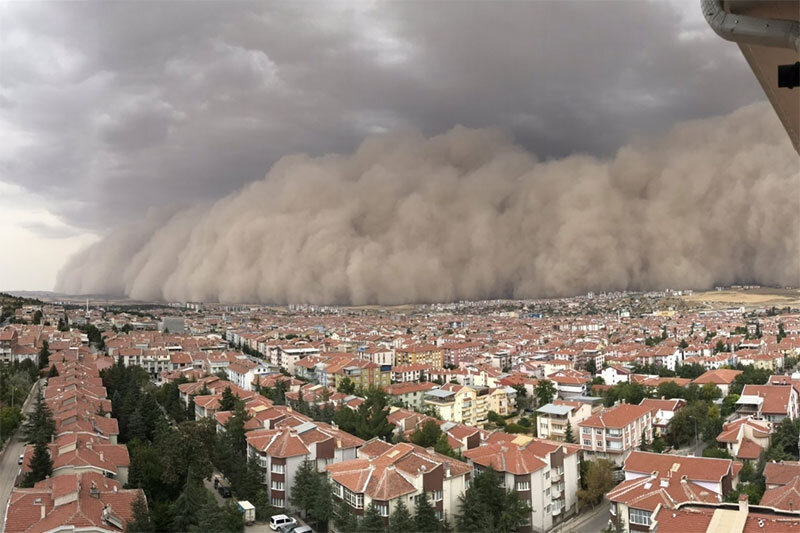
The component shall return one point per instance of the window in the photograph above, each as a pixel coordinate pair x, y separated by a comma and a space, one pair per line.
337, 489
637, 516
547, 475
277, 485
547, 491
598, 431
437, 496
354, 499
587, 442
277, 469
523, 485
587, 430
383, 508
439, 515
277, 502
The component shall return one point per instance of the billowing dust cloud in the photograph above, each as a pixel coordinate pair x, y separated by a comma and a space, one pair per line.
470, 215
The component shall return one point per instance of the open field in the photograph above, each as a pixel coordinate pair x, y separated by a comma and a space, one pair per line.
761, 297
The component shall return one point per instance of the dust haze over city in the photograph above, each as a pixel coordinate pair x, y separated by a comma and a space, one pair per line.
386, 154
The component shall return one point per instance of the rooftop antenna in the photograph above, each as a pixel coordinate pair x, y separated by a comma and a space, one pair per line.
87, 306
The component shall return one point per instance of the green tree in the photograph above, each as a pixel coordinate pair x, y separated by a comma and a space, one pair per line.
44, 355
487, 506
303, 491
545, 391
53, 372
568, 436
187, 508
344, 519
372, 521
140, 522
346, 386
427, 435
322, 508
729, 404
710, 392
228, 400
401, 521
425, 520
40, 426
41, 464
599, 480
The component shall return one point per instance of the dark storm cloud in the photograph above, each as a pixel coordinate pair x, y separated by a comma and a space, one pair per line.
124, 107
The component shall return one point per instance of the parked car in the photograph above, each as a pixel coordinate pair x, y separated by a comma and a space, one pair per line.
21, 459
302, 529
278, 520
224, 491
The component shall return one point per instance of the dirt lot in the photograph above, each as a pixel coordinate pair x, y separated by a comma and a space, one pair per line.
750, 298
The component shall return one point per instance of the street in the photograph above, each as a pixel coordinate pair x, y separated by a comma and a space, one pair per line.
8, 462
598, 522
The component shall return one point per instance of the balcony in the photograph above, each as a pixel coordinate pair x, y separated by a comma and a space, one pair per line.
555, 493
556, 476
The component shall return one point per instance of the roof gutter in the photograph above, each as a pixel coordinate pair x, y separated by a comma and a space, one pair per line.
751, 30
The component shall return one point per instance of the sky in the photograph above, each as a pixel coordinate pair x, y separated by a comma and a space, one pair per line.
112, 112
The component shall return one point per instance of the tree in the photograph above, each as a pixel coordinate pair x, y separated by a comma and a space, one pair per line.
599, 480
303, 491
140, 523
53, 372
322, 507
346, 386
522, 399
545, 391
427, 435
568, 436
228, 400
710, 392
729, 404
425, 519
37, 317
487, 506
344, 519
190, 413
372, 521
40, 426
643, 446
41, 464
401, 521
44, 355
187, 508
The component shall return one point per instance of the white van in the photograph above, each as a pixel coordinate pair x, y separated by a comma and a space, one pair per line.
278, 520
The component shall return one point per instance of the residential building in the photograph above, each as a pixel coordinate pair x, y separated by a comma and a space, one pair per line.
653, 480
384, 475
614, 432
770, 402
545, 474
744, 439
411, 395
723, 378
663, 411
426, 354
552, 419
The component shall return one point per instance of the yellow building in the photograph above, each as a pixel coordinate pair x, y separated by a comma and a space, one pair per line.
426, 354
467, 405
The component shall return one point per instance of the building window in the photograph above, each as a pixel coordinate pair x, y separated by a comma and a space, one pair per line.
277, 485
598, 431
547, 475
277, 469
587, 430
383, 508
277, 502
523, 485
337, 489
547, 491
587, 442
437, 496
637, 516
354, 499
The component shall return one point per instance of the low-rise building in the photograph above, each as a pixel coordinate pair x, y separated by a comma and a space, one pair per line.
545, 474
614, 432
553, 419
384, 475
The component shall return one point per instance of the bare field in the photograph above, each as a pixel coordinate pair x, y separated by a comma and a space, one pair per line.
763, 297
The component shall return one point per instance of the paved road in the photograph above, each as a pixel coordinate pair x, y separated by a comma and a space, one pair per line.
587, 522
8, 461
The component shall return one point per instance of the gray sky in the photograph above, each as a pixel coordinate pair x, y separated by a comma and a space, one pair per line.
108, 111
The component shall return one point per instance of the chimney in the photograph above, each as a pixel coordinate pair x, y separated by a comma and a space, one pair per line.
101, 456
743, 503
42, 512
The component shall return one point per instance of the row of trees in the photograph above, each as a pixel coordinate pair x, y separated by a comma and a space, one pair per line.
16, 380
39, 429
168, 458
